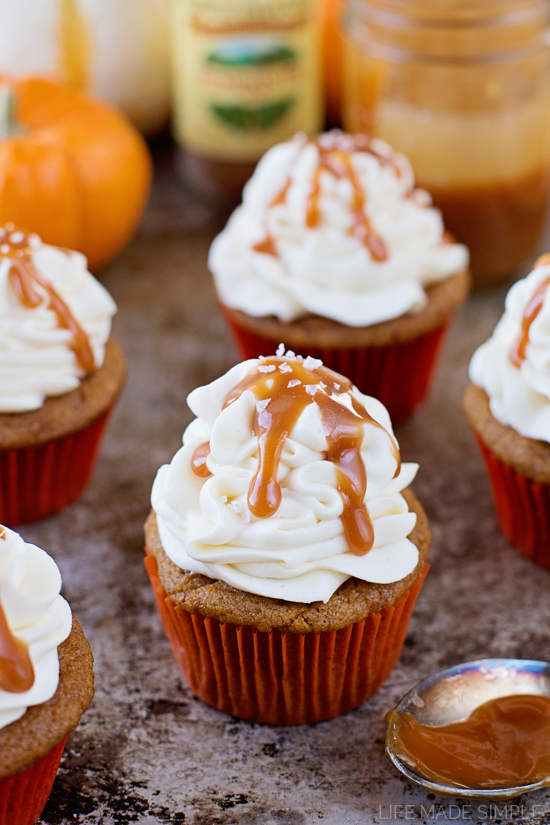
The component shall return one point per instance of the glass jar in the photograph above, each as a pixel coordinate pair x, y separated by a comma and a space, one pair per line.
247, 75
332, 60
462, 87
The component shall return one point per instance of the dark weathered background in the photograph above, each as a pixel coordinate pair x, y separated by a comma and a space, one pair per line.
147, 751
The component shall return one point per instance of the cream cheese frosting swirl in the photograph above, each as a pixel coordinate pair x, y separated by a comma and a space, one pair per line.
334, 228
300, 552
35, 615
36, 357
519, 387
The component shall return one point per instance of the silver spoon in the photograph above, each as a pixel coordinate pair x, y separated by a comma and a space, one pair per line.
452, 695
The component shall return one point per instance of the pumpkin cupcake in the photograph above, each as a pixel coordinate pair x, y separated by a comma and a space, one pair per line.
284, 550
46, 677
508, 407
334, 253
60, 375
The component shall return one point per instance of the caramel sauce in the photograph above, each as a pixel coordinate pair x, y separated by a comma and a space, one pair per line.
504, 743
283, 388
335, 151
198, 462
16, 670
519, 350
501, 222
24, 278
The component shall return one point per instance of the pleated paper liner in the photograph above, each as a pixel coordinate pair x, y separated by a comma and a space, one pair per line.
284, 678
522, 507
400, 374
38, 481
23, 797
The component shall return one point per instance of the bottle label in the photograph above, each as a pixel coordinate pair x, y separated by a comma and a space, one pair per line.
247, 74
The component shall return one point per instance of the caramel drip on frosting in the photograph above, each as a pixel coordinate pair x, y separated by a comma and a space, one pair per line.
283, 388
518, 353
16, 670
198, 462
25, 278
338, 163
335, 152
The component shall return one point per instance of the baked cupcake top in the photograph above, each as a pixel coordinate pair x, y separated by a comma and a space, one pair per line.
55, 319
288, 483
34, 620
513, 366
333, 227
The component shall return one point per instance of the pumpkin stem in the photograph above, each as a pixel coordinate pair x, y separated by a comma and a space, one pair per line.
8, 122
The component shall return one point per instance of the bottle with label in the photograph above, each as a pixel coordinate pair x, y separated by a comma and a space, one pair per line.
463, 89
247, 75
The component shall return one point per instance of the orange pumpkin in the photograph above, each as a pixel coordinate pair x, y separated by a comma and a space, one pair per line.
72, 169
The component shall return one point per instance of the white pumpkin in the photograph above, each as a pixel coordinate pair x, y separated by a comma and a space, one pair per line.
116, 49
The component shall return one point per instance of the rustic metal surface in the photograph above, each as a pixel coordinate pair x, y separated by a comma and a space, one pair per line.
148, 751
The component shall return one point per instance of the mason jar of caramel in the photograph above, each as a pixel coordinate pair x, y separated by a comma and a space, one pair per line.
462, 87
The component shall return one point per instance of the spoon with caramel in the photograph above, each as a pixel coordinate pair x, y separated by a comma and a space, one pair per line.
480, 729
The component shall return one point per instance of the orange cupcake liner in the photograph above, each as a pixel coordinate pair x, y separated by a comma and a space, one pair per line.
400, 375
23, 797
522, 508
38, 481
282, 678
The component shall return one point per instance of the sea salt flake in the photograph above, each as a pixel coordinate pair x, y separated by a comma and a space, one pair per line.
290, 354
336, 386
285, 367
269, 368
312, 363
269, 383
311, 389
322, 385
262, 405
280, 350
293, 383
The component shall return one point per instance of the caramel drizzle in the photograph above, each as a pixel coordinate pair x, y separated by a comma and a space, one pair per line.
198, 462
518, 353
24, 278
16, 670
335, 151
282, 394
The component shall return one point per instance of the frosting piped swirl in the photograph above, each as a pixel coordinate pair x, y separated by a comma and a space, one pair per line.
294, 517
55, 319
513, 365
333, 227
34, 620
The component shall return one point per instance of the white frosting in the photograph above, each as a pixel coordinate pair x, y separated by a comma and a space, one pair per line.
327, 270
300, 553
29, 594
36, 360
518, 396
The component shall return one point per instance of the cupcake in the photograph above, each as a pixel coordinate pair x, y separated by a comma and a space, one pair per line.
60, 375
334, 253
508, 407
46, 677
283, 547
